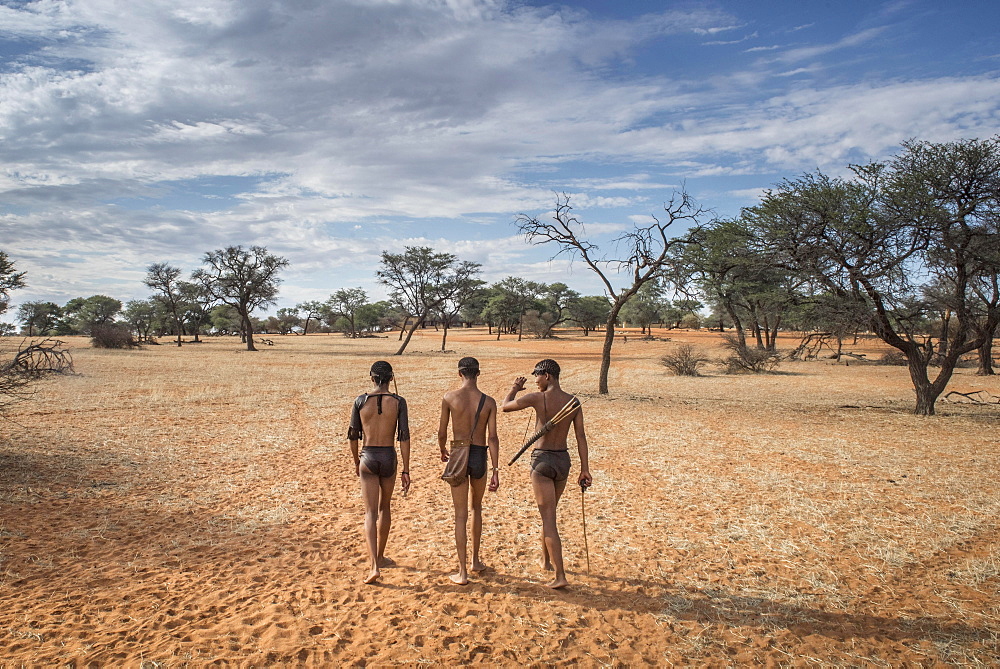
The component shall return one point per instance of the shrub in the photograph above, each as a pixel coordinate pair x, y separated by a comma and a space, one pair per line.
893, 357
691, 322
684, 360
744, 359
112, 336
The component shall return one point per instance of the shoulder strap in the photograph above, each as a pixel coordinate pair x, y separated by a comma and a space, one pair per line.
475, 423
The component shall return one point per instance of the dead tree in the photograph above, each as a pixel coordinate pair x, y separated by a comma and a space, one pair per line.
646, 254
30, 363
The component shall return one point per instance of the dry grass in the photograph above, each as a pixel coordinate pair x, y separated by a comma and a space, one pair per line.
179, 507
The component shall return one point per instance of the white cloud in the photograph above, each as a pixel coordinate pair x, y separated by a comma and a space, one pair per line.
364, 118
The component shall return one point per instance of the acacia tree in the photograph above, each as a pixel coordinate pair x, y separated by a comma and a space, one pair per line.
416, 278
10, 279
163, 278
589, 311
345, 304
460, 287
313, 310
244, 279
645, 308
82, 314
502, 309
195, 307
39, 316
557, 298
647, 252
519, 294
931, 212
141, 316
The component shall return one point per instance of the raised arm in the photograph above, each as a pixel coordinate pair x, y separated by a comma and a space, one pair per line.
514, 403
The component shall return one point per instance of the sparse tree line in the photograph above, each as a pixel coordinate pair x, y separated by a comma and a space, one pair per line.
907, 249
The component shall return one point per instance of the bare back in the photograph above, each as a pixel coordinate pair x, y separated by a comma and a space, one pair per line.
379, 429
547, 404
459, 407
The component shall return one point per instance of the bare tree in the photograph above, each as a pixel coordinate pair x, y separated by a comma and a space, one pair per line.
646, 254
244, 279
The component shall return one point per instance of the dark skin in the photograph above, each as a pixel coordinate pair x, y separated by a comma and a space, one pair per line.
549, 399
379, 430
459, 407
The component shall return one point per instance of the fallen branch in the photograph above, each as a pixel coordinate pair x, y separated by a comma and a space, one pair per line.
973, 397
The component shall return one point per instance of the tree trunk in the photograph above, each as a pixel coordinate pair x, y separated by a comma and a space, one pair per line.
609, 340
247, 331
757, 334
444, 337
737, 326
943, 343
986, 358
409, 334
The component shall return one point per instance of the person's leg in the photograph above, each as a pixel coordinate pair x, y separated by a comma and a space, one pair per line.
386, 486
460, 498
370, 490
547, 494
478, 487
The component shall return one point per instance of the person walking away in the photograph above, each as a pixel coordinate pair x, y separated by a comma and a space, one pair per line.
473, 416
376, 417
550, 463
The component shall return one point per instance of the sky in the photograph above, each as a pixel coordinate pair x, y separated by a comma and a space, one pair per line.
329, 131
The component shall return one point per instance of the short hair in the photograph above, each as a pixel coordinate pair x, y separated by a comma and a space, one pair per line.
468, 367
547, 366
381, 372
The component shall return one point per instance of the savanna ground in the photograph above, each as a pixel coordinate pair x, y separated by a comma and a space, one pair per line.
186, 507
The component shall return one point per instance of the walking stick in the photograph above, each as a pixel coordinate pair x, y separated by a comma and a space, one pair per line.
583, 510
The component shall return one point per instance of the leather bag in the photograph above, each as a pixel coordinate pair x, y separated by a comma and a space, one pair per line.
456, 470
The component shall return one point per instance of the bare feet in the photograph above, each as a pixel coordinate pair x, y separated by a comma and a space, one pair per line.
478, 567
384, 562
373, 577
459, 579
545, 565
557, 583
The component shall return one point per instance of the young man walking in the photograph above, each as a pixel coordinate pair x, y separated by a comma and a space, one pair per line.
550, 462
473, 415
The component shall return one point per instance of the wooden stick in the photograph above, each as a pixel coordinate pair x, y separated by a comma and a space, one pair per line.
583, 511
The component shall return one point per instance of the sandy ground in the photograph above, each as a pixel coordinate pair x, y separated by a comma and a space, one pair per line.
197, 506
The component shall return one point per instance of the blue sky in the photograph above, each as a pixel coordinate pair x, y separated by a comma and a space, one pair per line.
154, 131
